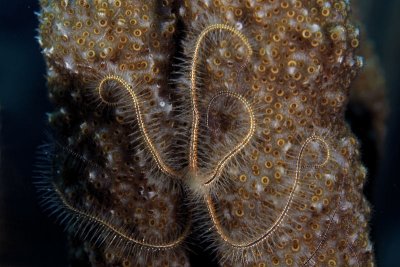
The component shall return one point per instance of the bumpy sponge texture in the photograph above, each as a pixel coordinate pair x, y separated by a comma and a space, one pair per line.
252, 132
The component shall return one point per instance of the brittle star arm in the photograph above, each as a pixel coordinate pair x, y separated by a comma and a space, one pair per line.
139, 117
252, 128
257, 240
120, 233
193, 77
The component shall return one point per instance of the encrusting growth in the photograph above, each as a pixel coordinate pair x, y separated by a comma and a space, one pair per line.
122, 49
246, 137
297, 81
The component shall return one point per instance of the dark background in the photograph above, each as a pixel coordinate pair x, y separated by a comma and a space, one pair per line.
29, 238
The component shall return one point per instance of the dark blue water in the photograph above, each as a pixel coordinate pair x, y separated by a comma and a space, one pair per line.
29, 238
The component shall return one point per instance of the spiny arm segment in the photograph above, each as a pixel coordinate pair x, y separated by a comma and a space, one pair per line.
193, 76
81, 214
139, 117
254, 242
252, 128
